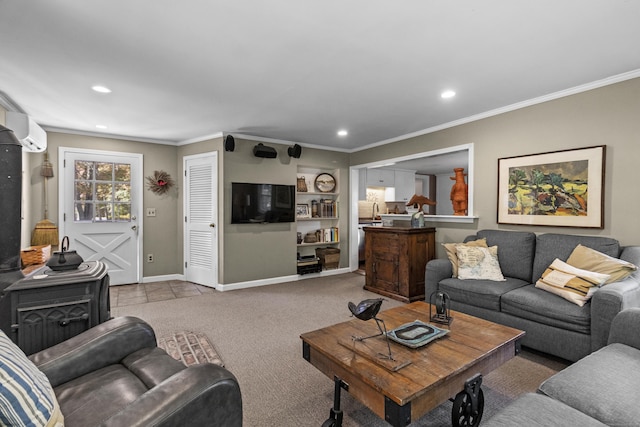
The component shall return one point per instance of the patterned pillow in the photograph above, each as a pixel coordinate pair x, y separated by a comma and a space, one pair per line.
571, 283
478, 263
592, 260
450, 248
26, 396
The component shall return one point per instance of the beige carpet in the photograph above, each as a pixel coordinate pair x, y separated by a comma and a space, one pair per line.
257, 333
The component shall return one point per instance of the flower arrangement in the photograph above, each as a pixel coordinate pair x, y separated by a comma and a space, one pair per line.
160, 182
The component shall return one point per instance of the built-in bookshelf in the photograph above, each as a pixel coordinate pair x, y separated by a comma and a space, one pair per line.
317, 209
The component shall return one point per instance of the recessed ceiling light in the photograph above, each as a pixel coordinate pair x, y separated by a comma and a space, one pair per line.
343, 133
447, 94
101, 126
101, 89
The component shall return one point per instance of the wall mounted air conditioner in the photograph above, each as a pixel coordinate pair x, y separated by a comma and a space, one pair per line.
31, 136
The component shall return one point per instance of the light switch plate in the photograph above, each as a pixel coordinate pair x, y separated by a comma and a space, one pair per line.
151, 211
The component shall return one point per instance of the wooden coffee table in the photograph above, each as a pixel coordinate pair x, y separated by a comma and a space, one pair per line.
451, 366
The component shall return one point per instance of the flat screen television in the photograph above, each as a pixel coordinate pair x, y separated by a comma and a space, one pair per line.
262, 203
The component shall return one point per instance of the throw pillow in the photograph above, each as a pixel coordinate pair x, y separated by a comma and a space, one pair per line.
478, 263
589, 259
571, 283
450, 248
26, 396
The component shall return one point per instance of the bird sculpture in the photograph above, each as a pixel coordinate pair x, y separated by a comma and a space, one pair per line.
366, 310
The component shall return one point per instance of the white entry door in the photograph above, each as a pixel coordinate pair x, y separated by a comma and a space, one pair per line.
201, 216
101, 194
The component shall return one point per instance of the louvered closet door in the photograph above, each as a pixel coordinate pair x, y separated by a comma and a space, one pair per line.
201, 208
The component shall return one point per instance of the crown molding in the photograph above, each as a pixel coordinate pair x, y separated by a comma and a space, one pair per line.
200, 139
9, 104
518, 105
107, 135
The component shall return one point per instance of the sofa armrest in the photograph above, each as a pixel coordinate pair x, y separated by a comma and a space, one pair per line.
435, 271
625, 327
611, 299
95, 348
203, 394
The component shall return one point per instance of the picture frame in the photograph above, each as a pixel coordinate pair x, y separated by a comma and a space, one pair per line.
302, 210
559, 188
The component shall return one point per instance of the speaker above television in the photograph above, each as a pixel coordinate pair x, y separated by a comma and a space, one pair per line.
265, 151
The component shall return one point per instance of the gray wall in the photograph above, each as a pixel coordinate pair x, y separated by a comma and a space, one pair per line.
260, 251
607, 115
163, 244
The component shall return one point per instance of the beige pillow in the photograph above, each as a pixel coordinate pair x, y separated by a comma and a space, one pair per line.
478, 263
589, 259
571, 283
450, 248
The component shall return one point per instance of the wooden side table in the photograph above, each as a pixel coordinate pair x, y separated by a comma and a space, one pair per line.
395, 259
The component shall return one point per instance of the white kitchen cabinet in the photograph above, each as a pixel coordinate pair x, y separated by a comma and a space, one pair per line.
380, 177
362, 184
405, 185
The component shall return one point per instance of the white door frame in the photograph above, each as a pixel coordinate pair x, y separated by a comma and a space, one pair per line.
62, 151
215, 200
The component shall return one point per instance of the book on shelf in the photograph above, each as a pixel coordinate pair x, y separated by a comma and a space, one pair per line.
331, 234
328, 208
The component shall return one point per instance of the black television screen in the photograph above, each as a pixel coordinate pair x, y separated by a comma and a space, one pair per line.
260, 203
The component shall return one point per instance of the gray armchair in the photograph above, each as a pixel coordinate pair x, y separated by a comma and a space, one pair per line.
115, 375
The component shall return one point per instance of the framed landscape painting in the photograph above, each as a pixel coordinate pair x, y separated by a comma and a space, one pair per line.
560, 188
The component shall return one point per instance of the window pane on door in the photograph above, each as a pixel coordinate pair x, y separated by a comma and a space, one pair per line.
103, 212
83, 190
83, 170
122, 172
123, 193
102, 191
122, 211
83, 211
104, 171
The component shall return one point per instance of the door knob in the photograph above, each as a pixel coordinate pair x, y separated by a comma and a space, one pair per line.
134, 227
212, 225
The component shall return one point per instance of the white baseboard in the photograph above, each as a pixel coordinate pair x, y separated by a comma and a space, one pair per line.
166, 277
281, 279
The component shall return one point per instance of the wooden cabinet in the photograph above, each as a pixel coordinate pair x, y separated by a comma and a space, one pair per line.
395, 260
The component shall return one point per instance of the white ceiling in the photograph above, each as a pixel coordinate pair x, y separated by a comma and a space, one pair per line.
300, 70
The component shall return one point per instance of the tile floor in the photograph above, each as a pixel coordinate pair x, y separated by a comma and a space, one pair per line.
140, 293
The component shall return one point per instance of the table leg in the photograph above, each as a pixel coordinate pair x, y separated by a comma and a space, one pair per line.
335, 414
468, 405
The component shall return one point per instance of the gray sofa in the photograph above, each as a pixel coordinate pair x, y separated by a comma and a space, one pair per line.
599, 390
553, 325
114, 375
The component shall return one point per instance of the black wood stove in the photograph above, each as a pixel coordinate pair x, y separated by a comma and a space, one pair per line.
49, 306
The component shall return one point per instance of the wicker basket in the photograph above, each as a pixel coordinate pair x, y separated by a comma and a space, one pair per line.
34, 255
329, 257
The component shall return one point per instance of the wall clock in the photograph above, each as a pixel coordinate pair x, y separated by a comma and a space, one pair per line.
325, 183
